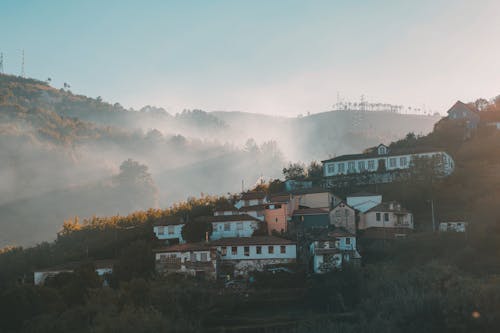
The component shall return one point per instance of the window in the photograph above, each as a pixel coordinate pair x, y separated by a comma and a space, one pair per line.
171, 229
204, 256
361, 165
282, 249
341, 168
350, 167
270, 249
239, 226
348, 241
227, 226
378, 216
260, 213
161, 230
403, 162
392, 162
331, 168
346, 212
246, 251
234, 250
192, 256
276, 219
258, 250
386, 217
371, 165
223, 251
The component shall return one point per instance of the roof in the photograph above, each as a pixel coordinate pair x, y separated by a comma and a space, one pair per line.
461, 104
345, 203
386, 207
374, 154
363, 194
253, 195
257, 240
186, 247
309, 190
253, 208
309, 211
227, 218
169, 220
280, 198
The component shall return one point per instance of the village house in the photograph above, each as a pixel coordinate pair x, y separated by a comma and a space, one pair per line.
195, 259
386, 215
310, 218
363, 201
333, 251
279, 212
379, 165
344, 216
256, 211
292, 184
453, 226
251, 198
170, 231
226, 226
315, 198
239, 256
462, 111
102, 268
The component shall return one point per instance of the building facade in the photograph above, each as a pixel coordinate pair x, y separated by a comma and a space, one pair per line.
386, 215
343, 216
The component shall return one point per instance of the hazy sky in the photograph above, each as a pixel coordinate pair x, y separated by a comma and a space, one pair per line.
279, 57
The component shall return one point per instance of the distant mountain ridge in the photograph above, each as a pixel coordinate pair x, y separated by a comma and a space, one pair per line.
52, 141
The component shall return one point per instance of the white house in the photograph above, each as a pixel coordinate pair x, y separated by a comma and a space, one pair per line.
386, 215
251, 198
255, 253
227, 226
363, 201
196, 259
256, 211
382, 159
331, 252
171, 233
455, 226
102, 268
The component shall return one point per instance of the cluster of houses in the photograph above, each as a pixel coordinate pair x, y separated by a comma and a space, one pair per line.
248, 236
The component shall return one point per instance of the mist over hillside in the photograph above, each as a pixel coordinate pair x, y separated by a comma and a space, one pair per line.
64, 155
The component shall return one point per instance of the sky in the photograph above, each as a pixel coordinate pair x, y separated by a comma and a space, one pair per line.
275, 57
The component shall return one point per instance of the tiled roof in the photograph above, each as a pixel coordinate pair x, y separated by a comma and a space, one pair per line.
386, 207
374, 154
186, 247
227, 218
309, 211
384, 233
253, 195
461, 104
253, 208
70, 266
169, 220
280, 198
257, 240
309, 191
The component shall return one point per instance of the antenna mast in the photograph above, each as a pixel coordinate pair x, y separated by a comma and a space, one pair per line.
1, 62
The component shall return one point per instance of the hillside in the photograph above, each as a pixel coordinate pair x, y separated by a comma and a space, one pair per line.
58, 149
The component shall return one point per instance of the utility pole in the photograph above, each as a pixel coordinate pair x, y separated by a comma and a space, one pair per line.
433, 218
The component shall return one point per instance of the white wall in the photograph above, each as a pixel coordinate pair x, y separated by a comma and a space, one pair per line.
290, 252
246, 230
177, 232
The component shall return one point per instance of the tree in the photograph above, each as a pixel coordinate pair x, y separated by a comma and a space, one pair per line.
195, 231
294, 171
315, 171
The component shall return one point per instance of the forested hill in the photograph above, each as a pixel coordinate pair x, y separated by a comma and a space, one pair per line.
61, 153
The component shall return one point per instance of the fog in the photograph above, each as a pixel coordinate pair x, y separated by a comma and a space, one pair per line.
60, 153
